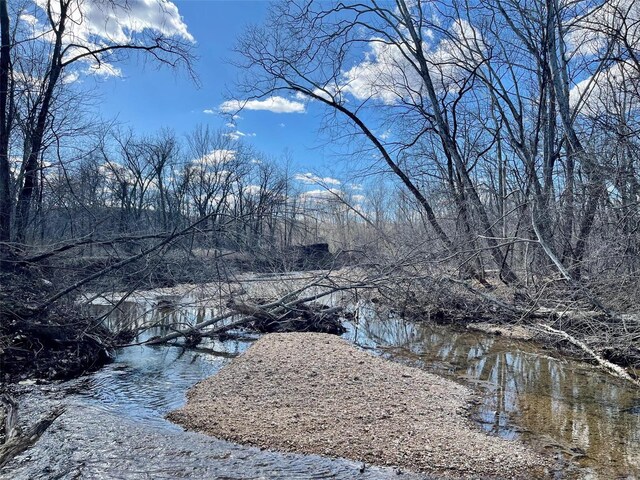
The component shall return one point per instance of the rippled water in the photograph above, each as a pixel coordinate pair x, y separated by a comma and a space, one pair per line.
148, 382
115, 428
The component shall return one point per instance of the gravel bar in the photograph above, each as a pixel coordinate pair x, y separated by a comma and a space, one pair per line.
318, 394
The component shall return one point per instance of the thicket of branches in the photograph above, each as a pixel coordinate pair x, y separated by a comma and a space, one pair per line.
512, 126
499, 140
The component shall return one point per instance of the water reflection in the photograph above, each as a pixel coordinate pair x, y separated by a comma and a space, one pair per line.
590, 419
147, 382
115, 428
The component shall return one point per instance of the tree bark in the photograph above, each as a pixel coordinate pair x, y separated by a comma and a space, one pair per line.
451, 148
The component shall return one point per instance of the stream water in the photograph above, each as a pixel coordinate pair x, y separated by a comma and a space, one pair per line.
115, 427
588, 420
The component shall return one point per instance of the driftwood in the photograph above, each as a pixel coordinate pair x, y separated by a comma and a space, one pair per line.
517, 332
612, 368
17, 441
536, 313
251, 310
202, 325
310, 317
273, 311
221, 331
486, 296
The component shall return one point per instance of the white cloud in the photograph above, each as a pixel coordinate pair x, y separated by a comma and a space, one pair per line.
310, 179
104, 69
116, 172
589, 33
208, 111
330, 92
29, 19
94, 24
607, 90
27, 81
119, 22
332, 197
70, 77
237, 135
281, 125
378, 75
273, 104
216, 157
385, 73
323, 195
253, 189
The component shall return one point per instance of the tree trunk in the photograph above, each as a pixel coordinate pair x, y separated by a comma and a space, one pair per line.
5, 126
451, 148
35, 151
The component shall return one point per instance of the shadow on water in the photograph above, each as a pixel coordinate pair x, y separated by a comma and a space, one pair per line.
147, 382
590, 420
115, 422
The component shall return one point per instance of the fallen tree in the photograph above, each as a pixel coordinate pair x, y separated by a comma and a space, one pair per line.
612, 368
291, 312
309, 317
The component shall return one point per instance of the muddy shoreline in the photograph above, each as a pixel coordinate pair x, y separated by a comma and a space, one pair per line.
317, 394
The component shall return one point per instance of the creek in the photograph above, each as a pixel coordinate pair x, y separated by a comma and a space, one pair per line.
115, 427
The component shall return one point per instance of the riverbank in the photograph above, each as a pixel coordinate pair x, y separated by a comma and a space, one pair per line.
55, 341
317, 394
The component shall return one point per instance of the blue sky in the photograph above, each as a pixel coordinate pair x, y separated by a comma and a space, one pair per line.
378, 81
148, 99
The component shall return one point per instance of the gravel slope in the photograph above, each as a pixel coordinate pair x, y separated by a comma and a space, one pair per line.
316, 393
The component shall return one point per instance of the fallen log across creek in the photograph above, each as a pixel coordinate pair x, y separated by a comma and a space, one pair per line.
309, 317
295, 313
279, 315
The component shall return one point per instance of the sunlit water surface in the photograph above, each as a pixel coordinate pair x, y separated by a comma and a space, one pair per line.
589, 421
115, 427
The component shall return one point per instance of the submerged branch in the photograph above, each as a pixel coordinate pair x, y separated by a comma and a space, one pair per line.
272, 312
17, 441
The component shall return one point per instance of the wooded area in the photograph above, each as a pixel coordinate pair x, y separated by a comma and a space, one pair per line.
493, 145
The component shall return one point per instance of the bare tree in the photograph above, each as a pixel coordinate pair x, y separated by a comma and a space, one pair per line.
307, 47
6, 115
67, 24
